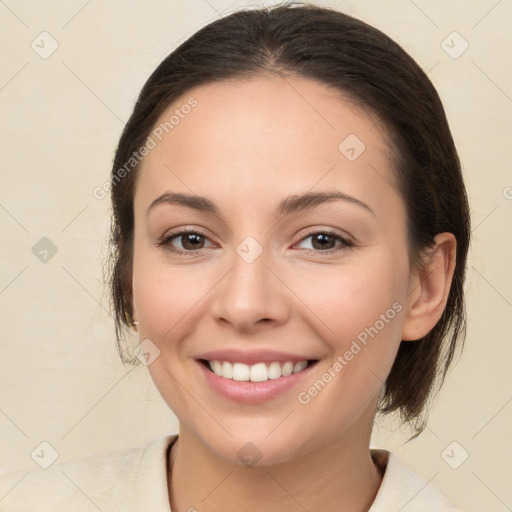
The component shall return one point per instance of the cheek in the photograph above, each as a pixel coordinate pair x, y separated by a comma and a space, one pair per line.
349, 299
164, 297
358, 311
358, 314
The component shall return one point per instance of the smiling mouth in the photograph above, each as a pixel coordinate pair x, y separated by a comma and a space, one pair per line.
259, 372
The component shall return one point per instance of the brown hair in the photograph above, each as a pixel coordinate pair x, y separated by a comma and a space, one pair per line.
375, 72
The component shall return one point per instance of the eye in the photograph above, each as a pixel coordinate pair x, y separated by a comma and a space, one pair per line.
189, 239
192, 241
325, 242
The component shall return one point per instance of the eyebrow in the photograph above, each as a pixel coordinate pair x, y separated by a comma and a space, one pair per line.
291, 204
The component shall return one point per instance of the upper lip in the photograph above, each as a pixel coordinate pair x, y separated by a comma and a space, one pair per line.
252, 356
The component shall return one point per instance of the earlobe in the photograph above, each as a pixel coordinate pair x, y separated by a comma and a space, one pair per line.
429, 288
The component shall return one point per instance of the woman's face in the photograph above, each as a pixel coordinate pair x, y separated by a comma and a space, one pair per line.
266, 277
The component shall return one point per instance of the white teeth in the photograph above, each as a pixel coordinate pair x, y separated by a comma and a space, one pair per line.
299, 366
274, 370
287, 369
240, 372
216, 367
227, 370
259, 372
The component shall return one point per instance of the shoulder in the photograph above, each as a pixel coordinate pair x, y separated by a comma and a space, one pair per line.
403, 490
118, 480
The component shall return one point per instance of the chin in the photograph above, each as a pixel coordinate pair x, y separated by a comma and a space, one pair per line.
256, 447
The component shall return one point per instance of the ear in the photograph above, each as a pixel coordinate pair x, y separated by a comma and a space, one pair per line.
429, 287
134, 321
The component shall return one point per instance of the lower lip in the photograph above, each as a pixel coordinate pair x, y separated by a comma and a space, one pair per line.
248, 392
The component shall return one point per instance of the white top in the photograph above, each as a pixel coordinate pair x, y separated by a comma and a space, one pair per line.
135, 480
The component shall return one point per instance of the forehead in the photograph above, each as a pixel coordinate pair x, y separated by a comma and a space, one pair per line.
266, 136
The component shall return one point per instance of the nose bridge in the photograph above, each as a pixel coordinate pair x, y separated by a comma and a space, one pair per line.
249, 291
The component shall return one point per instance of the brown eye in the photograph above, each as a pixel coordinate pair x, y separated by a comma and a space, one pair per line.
322, 241
325, 242
189, 240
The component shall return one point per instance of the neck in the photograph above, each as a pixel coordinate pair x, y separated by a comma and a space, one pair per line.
339, 474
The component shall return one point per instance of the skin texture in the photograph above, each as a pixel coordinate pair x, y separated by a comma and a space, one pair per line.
247, 145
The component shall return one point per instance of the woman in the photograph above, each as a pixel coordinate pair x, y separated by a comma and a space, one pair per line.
289, 238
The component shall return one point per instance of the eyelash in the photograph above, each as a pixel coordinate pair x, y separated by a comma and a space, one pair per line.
165, 241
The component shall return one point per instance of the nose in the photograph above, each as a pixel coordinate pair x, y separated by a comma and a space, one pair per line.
251, 295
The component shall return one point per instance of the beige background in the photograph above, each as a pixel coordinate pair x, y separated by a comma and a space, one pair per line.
61, 380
